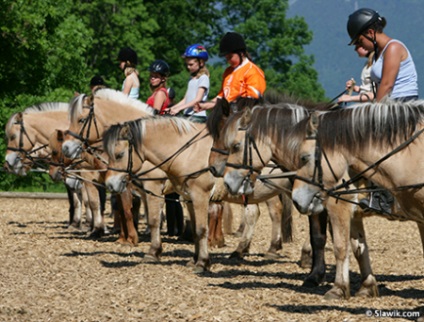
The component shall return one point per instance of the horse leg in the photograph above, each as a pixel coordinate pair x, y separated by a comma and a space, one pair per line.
71, 204
88, 225
213, 218
215, 236
128, 233
219, 235
318, 238
94, 203
198, 210
77, 205
340, 214
287, 218
251, 215
275, 208
242, 225
227, 218
360, 250
153, 207
135, 210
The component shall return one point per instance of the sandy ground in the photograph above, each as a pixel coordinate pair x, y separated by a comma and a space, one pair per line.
50, 273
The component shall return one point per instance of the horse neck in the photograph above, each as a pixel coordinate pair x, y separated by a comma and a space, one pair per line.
108, 113
40, 126
158, 148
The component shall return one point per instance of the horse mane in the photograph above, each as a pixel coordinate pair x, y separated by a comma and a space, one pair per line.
77, 103
267, 122
121, 98
137, 129
385, 124
47, 107
272, 97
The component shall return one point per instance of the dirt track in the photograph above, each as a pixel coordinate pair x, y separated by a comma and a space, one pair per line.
50, 273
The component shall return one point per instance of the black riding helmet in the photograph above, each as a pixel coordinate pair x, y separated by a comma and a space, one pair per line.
232, 42
127, 54
360, 21
160, 66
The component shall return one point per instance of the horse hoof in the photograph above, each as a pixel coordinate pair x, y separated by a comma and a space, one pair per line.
236, 255
96, 234
191, 263
335, 294
272, 255
306, 260
149, 258
199, 269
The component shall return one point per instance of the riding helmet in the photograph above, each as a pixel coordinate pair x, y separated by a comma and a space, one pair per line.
97, 80
361, 20
196, 51
232, 42
160, 66
127, 54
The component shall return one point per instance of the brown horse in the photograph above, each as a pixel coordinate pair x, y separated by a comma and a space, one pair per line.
90, 117
381, 142
218, 158
88, 181
28, 134
183, 156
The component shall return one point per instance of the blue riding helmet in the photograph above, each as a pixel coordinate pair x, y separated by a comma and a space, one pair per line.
196, 51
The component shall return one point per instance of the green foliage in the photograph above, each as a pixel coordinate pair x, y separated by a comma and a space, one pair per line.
51, 49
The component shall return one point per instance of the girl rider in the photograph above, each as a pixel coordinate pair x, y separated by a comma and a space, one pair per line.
128, 63
394, 70
159, 100
195, 57
242, 78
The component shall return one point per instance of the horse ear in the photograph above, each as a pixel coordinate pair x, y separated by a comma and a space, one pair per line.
313, 124
225, 107
19, 117
59, 135
246, 118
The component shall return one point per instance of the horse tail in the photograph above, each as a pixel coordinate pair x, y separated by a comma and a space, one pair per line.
287, 218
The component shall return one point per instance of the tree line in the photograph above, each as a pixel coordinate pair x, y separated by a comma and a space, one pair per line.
51, 49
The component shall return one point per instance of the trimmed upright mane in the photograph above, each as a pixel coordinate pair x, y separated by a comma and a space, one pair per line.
47, 107
386, 124
107, 94
137, 130
221, 111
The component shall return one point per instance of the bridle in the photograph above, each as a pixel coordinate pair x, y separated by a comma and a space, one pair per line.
20, 149
139, 176
343, 188
84, 133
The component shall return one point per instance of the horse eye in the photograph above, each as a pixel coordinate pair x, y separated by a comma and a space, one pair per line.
119, 156
304, 159
12, 137
235, 148
81, 120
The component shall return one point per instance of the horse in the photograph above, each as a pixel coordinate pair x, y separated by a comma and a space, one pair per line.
131, 144
28, 134
93, 194
218, 161
381, 142
90, 117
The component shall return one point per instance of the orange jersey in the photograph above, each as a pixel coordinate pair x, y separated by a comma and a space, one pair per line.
247, 80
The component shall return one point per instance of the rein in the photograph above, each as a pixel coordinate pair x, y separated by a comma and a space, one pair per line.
334, 191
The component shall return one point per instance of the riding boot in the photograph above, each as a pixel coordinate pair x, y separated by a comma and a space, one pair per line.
379, 201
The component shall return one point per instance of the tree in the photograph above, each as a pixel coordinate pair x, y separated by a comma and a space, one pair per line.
276, 44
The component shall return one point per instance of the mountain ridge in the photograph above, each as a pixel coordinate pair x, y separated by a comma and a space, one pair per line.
335, 61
